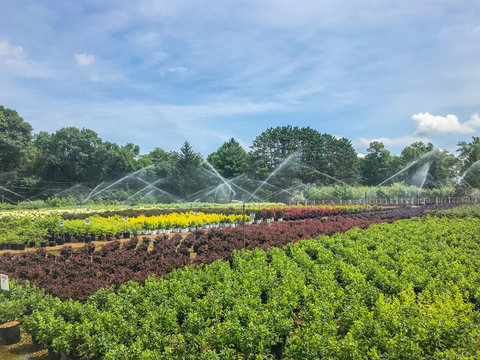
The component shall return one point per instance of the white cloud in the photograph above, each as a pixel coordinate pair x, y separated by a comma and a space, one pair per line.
15, 59
401, 141
9, 53
361, 156
437, 124
84, 59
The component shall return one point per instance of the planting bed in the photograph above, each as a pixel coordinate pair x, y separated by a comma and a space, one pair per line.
79, 274
407, 290
20, 230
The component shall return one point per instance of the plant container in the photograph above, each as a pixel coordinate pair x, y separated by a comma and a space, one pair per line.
126, 235
10, 333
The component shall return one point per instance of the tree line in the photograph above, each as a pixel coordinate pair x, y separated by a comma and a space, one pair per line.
35, 163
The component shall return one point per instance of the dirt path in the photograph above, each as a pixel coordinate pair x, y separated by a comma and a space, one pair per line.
78, 245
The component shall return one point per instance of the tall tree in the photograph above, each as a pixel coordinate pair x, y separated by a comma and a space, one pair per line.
469, 154
15, 154
376, 166
230, 159
15, 136
68, 155
319, 157
414, 151
187, 178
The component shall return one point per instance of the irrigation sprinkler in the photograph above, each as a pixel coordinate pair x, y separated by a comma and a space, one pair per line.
244, 225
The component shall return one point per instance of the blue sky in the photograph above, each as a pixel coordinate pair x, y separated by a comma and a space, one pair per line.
157, 73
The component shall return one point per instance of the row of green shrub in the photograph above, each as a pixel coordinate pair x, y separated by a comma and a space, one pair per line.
407, 290
458, 212
394, 191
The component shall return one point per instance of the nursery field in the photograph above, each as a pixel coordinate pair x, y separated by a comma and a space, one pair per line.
30, 228
390, 284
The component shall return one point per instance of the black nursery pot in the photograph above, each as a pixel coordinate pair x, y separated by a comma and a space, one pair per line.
109, 237
60, 241
10, 334
20, 246
2, 246
68, 238
31, 243
126, 235
43, 244
52, 243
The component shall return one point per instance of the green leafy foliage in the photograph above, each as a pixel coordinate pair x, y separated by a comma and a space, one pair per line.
406, 290
458, 212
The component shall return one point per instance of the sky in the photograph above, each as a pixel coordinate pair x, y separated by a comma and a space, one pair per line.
157, 73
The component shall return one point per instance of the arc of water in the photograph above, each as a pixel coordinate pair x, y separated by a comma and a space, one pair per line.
218, 175
108, 187
176, 198
139, 191
11, 192
425, 170
216, 188
116, 182
93, 190
15, 202
324, 174
245, 191
277, 169
287, 190
407, 167
148, 193
476, 163
232, 182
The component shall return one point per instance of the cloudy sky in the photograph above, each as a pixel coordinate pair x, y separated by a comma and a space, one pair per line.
159, 72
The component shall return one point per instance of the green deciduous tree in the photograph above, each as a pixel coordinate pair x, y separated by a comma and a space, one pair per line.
469, 154
377, 164
15, 136
318, 157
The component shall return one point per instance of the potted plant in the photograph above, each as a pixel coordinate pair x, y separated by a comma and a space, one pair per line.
279, 214
9, 324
